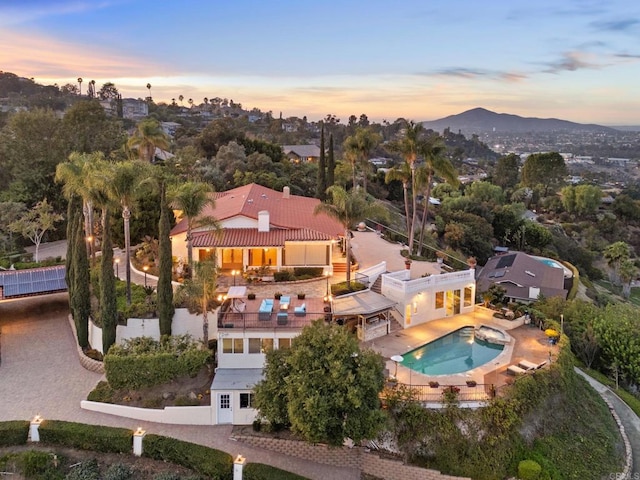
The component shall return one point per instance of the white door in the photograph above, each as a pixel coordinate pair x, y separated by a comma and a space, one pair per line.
225, 412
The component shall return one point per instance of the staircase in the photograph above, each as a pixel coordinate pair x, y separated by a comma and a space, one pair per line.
377, 285
396, 321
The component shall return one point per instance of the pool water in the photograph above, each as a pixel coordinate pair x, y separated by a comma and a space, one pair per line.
549, 262
456, 352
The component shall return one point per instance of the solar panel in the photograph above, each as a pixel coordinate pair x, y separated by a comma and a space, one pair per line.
34, 281
506, 261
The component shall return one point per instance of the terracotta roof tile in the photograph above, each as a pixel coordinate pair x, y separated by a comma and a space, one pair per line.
249, 237
294, 212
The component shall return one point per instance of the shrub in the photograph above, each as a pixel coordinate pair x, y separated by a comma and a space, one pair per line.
144, 362
205, 461
85, 471
86, 437
184, 401
101, 393
342, 288
529, 470
36, 464
283, 276
118, 471
14, 432
308, 272
94, 354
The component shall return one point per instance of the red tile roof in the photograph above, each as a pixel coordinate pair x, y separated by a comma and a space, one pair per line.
295, 212
250, 237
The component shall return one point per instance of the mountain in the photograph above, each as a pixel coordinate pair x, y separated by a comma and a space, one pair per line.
481, 120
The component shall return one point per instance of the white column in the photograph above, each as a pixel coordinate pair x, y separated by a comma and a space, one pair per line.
138, 436
34, 433
238, 465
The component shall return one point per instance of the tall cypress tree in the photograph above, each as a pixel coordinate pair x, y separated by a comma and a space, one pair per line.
108, 305
80, 293
322, 170
164, 288
331, 164
69, 260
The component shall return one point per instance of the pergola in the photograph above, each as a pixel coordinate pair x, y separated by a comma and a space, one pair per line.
369, 310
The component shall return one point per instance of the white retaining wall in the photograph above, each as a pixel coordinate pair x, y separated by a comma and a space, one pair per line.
202, 415
183, 323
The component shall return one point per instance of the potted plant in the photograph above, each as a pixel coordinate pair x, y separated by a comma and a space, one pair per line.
434, 384
277, 295
301, 295
471, 383
251, 296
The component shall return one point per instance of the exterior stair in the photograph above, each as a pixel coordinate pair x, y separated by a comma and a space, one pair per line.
377, 285
396, 321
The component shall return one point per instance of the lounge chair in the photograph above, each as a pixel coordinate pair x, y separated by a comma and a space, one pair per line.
300, 311
282, 318
515, 370
530, 365
266, 307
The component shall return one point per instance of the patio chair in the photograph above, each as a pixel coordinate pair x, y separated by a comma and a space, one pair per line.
285, 301
530, 365
300, 311
266, 307
515, 370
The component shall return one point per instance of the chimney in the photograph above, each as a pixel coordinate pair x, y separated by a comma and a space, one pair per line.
285, 192
263, 221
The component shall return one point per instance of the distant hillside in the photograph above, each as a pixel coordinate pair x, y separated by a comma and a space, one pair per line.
481, 120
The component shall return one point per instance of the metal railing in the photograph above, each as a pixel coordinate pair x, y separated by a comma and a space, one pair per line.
462, 393
275, 319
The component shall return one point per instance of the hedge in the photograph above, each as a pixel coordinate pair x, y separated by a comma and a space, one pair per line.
14, 432
214, 464
86, 437
137, 371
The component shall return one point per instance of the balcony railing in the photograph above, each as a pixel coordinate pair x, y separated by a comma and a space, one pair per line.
437, 394
276, 319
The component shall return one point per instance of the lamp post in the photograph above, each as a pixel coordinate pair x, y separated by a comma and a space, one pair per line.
326, 295
145, 268
561, 324
117, 268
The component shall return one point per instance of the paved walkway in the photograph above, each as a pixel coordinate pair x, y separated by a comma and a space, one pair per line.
40, 374
628, 417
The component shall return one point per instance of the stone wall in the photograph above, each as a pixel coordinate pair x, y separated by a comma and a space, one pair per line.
357, 457
86, 362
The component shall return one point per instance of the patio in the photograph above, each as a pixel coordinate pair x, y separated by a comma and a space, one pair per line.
527, 342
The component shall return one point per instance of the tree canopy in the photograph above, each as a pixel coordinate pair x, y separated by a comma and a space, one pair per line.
324, 386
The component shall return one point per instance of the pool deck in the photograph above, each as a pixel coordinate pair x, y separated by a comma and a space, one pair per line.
527, 342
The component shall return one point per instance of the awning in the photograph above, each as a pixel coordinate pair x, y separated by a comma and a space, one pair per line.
237, 292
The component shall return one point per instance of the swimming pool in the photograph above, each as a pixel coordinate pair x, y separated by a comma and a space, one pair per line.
456, 352
553, 263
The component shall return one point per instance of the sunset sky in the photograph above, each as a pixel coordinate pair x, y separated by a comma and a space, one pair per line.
577, 60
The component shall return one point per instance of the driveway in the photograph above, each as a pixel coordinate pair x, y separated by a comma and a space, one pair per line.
40, 374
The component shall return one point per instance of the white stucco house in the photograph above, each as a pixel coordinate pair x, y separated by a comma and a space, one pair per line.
262, 227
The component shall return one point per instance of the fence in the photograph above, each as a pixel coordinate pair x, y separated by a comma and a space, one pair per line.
436, 393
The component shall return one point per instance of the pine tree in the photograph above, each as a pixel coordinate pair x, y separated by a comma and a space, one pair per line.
108, 306
322, 170
164, 288
72, 209
331, 164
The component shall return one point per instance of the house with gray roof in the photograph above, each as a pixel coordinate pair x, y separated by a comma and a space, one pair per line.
302, 153
524, 277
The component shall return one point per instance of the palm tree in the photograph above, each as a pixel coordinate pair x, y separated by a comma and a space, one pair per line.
402, 173
203, 288
349, 208
192, 198
147, 137
360, 145
124, 180
409, 146
149, 88
75, 175
80, 86
181, 98
615, 254
628, 272
435, 163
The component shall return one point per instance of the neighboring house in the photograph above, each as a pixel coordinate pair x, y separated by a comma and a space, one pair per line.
262, 227
134, 109
302, 153
525, 277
